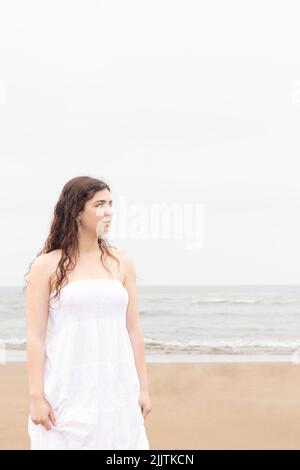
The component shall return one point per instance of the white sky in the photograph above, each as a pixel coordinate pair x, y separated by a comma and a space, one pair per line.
171, 102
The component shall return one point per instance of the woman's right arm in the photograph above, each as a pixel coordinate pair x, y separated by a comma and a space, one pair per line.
37, 300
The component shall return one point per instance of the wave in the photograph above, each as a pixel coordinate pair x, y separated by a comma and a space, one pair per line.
230, 346
13, 343
245, 301
225, 346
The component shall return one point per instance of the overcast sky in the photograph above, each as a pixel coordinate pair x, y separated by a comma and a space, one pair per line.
179, 104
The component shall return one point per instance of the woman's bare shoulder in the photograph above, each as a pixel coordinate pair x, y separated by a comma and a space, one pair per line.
122, 255
126, 262
50, 257
46, 261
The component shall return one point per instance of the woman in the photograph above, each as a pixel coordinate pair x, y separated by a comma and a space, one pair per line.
85, 351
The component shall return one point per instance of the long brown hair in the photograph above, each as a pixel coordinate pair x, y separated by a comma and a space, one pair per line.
64, 229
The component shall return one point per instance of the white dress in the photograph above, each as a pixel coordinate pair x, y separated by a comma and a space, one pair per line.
90, 378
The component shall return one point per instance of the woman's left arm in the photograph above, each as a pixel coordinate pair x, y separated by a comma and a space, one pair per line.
133, 325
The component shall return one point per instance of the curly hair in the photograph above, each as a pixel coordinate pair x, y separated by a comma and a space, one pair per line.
64, 229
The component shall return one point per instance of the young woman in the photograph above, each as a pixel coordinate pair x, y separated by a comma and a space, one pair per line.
86, 366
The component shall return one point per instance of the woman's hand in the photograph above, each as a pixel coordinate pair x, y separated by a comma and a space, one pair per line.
41, 412
145, 403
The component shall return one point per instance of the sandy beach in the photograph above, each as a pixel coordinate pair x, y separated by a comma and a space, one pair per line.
195, 406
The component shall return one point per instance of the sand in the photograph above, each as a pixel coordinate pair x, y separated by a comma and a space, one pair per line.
194, 406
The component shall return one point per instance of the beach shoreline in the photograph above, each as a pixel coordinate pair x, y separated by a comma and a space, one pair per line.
16, 355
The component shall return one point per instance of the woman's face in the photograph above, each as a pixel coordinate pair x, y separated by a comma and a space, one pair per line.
97, 214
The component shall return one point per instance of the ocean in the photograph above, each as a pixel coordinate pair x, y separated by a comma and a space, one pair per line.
192, 323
